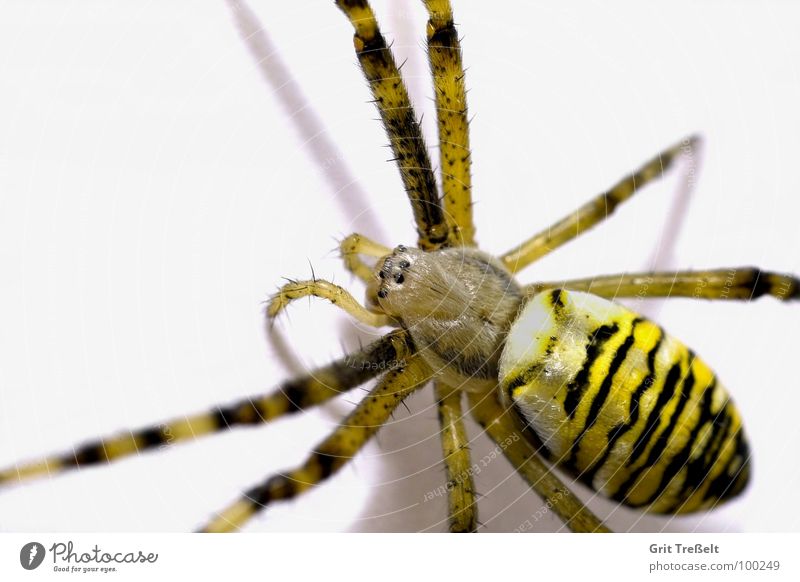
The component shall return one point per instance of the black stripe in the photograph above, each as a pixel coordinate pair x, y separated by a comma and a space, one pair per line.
90, 454
524, 377
445, 36
518, 381
697, 469
757, 282
793, 289
556, 300
276, 487
633, 412
653, 419
666, 434
602, 393
682, 457
327, 463
221, 417
259, 495
295, 394
152, 437
725, 485
577, 387
663, 438
700, 468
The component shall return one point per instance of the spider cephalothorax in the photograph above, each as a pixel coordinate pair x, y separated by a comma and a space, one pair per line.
616, 401
457, 304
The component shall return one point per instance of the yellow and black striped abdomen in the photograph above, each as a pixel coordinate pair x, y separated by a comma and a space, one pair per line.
622, 405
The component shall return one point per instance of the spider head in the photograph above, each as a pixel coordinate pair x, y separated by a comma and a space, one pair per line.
393, 274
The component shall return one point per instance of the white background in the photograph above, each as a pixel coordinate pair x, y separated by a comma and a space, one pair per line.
156, 183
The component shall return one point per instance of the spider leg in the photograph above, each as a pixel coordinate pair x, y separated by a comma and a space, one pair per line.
400, 121
290, 397
596, 210
333, 452
462, 509
732, 283
444, 54
500, 426
325, 290
357, 244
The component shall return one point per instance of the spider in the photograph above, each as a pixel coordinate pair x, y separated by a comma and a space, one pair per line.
457, 360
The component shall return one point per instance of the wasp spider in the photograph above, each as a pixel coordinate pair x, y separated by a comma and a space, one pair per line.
556, 373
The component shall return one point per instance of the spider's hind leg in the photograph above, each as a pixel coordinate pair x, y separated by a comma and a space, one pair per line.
501, 427
733, 283
597, 209
292, 396
462, 509
333, 452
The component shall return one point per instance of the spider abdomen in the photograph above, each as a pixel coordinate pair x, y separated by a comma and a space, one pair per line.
622, 405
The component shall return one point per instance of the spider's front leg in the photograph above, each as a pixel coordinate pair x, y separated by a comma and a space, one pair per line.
358, 244
444, 55
400, 121
291, 397
333, 452
500, 426
333, 293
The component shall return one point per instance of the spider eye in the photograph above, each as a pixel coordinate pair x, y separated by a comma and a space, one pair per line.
382, 293
404, 264
381, 274
399, 279
401, 249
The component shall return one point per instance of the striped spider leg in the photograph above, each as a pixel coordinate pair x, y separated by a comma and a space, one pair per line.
450, 96
333, 452
596, 210
502, 427
405, 136
610, 436
444, 54
292, 396
725, 283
